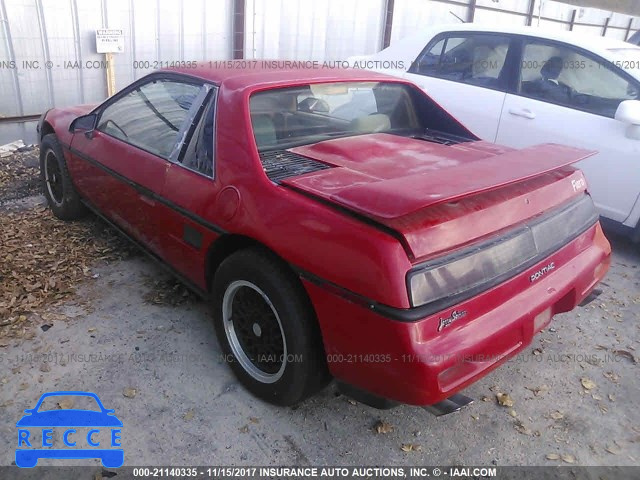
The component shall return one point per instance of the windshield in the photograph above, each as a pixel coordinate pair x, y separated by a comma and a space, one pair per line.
311, 113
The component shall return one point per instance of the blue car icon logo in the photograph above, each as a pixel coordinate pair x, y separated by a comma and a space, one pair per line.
102, 427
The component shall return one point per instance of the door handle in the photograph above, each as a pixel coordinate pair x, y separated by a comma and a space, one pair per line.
522, 112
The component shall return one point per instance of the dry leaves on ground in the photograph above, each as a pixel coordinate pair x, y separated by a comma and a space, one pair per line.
19, 175
42, 260
130, 392
565, 457
538, 391
410, 447
504, 399
626, 354
522, 428
167, 292
383, 427
587, 383
614, 448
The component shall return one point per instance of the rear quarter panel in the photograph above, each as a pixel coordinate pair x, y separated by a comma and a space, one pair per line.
309, 235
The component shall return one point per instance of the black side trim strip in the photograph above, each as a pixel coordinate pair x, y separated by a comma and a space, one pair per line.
188, 283
337, 289
147, 192
192, 236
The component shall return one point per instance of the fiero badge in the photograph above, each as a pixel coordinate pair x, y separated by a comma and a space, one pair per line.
578, 185
542, 272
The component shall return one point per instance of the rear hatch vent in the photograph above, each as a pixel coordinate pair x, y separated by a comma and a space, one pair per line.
444, 138
281, 164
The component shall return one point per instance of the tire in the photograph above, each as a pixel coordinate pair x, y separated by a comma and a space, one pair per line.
267, 328
62, 197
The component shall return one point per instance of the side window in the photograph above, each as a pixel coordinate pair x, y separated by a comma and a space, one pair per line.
561, 75
151, 115
427, 63
474, 59
199, 153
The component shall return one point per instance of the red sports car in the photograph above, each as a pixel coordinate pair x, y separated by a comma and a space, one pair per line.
341, 223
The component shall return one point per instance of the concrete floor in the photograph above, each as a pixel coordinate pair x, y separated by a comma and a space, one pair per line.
189, 409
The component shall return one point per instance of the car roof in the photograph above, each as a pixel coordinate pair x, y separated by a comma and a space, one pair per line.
590, 42
412, 45
258, 74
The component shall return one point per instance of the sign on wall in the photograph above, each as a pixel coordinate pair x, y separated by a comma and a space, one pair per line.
109, 40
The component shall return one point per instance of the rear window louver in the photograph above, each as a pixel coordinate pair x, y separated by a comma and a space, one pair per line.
441, 137
282, 164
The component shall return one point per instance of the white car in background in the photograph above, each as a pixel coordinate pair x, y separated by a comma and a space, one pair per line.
523, 86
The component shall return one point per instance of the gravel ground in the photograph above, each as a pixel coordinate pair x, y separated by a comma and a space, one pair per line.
147, 348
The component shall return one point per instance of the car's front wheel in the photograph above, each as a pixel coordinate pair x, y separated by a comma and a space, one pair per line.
61, 195
267, 328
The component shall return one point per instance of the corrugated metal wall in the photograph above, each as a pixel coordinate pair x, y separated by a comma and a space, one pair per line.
52, 43
43, 43
317, 30
410, 15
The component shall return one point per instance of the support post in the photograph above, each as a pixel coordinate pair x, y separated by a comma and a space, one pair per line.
532, 5
111, 74
388, 23
606, 25
238, 29
471, 11
573, 20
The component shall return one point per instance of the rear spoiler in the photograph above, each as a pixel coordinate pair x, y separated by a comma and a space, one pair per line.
398, 197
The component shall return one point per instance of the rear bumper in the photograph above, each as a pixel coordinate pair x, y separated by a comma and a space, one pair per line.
414, 363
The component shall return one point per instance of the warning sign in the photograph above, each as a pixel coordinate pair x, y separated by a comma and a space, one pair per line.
109, 40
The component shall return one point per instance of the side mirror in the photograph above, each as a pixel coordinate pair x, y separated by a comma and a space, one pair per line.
629, 112
85, 123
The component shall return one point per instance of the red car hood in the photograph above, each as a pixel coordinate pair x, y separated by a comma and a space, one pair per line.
388, 176
61, 118
80, 110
